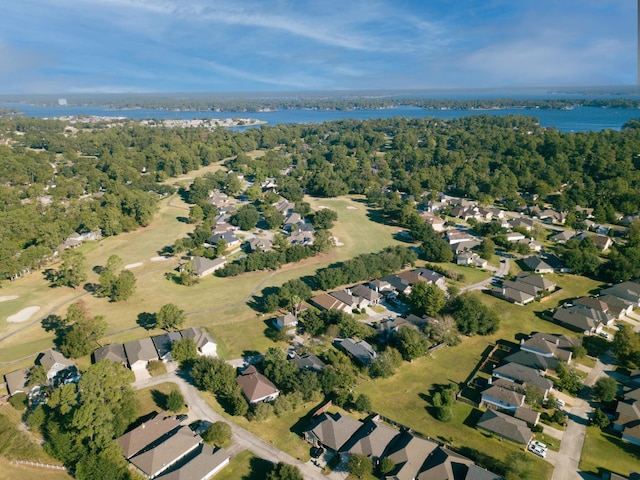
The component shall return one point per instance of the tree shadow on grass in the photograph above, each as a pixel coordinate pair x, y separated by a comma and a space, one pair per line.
147, 320
259, 469
159, 398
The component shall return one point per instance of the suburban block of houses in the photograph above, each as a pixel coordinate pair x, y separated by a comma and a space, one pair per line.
138, 353
414, 457
160, 447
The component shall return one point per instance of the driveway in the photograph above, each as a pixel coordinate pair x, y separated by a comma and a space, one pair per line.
502, 271
242, 439
567, 460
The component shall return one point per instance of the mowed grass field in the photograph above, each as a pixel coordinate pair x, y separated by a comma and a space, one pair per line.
219, 304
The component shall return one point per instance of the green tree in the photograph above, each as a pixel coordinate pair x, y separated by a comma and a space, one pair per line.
196, 214
487, 249
605, 389
218, 433
170, 317
360, 465
363, 403
472, 316
568, 379
284, 471
184, 350
386, 465
626, 347
37, 376
246, 218
385, 364
426, 299
175, 401
80, 331
71, 273
410, 343
124, 286
600, 419
323, 219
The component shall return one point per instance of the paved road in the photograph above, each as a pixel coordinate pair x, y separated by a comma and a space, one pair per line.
502, 271
242, 438
567, 460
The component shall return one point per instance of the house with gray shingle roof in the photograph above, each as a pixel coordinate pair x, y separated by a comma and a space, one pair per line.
502, 398
409, 454
161, 457
524, 376
16, 381
114, 352
140, 353
53, 363
203, 466
360, 350
505, 426
371, 440
203, 266
332, 431
146, 434
163, 344
205, 344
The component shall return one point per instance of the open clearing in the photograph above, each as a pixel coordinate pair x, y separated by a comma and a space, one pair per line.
23, 315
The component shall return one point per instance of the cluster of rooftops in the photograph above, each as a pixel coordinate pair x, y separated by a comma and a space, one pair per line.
414, 456
508, 413
590, 315
160, 447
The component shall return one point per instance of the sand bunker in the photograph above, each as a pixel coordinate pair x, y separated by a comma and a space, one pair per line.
352, 208
159, 259
23, 315
322, 206
6, 298
337, 242
133, 265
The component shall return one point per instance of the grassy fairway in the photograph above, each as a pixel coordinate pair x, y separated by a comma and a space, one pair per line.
603, 452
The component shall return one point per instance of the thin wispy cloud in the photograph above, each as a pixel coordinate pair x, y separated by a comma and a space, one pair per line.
202, 45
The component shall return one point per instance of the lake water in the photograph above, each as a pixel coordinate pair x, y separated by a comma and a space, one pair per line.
576, 120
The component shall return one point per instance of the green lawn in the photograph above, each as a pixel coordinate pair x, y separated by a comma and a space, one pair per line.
245, 466
604, 452
152, 399
283, 432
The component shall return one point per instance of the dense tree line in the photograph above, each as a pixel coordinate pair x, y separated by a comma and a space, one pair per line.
80, 422
354, 101
118, 171
364, 267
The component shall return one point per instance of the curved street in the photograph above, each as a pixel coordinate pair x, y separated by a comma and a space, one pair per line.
242, 439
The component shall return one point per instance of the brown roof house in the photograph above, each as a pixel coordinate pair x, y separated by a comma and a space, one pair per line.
256, 387
203, 466
146, 434
157, 459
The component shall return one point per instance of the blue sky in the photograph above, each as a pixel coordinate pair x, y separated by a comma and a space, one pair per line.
84, 46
